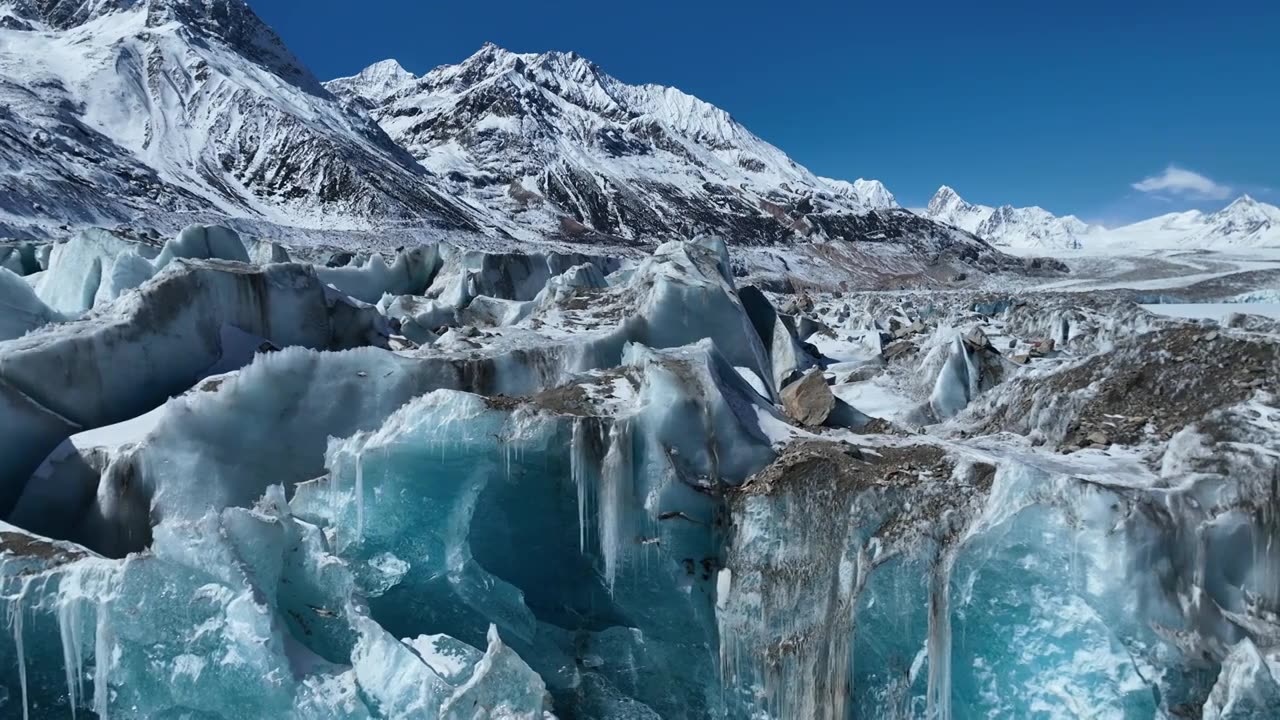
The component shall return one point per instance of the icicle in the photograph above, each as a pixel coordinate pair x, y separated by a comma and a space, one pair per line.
102, 664
69, 631
359, 495
938, 695
613, 509
15, 623
577, 470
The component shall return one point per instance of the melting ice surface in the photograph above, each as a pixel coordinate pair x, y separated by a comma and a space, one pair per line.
572, 494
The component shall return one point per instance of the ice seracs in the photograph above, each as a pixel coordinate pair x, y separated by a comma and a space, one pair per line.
23, 309
575, 490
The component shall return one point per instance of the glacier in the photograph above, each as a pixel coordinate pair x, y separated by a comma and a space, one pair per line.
460, 483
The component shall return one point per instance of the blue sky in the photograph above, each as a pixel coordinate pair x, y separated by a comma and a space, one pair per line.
1109, 110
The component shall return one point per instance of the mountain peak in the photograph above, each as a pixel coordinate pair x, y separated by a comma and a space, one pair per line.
380, 80
1247, 213
386, 68
65, 14
1249, 205
489, 51
866, 194
945, 201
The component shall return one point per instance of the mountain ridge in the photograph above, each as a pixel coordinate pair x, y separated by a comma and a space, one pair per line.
554, 140
204, 101
1245, 222
149, 111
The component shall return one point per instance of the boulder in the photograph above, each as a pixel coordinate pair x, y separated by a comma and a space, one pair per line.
897, 348
977, 340
809, 401
339, 259
1042, 347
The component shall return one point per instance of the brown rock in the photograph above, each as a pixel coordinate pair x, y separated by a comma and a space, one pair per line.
1042, 347
899, 347
808, 400
976, 339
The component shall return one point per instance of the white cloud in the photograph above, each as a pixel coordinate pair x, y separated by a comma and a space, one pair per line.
1180, 181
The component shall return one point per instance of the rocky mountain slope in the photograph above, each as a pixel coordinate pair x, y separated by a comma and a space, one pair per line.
151, 113
120, 108
553, 142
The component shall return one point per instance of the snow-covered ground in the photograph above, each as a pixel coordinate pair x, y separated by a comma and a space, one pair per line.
1215, 311
1120, 268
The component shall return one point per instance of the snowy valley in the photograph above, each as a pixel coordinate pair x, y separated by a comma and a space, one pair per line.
514, 391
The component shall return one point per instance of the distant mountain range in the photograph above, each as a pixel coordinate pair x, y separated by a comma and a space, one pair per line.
150, 112
127, 111
1246, 222
1007, 225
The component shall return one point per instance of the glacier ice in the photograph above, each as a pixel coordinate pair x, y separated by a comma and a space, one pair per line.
1247, 686
96, 266
238, 613
572, 492
76, 269
203, 242
133, 354
21, 258
409, 274
21, 310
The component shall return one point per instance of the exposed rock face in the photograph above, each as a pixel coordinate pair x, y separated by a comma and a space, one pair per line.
222, 119
647, 162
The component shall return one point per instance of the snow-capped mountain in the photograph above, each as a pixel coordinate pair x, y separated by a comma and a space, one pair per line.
557, 145
871, 194
946, 206
1246, 222
1034, 227
116, 108
1028, 227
